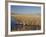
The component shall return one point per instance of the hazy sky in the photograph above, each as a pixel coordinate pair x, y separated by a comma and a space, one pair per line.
25, 9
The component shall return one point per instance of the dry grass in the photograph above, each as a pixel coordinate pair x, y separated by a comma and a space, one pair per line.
29, 22
28, 19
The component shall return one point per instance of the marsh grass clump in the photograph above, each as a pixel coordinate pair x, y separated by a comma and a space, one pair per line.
29, 22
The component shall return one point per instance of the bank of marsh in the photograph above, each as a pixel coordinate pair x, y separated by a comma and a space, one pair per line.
26, 22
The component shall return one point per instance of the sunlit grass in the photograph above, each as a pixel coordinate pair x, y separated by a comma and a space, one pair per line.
29, 19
